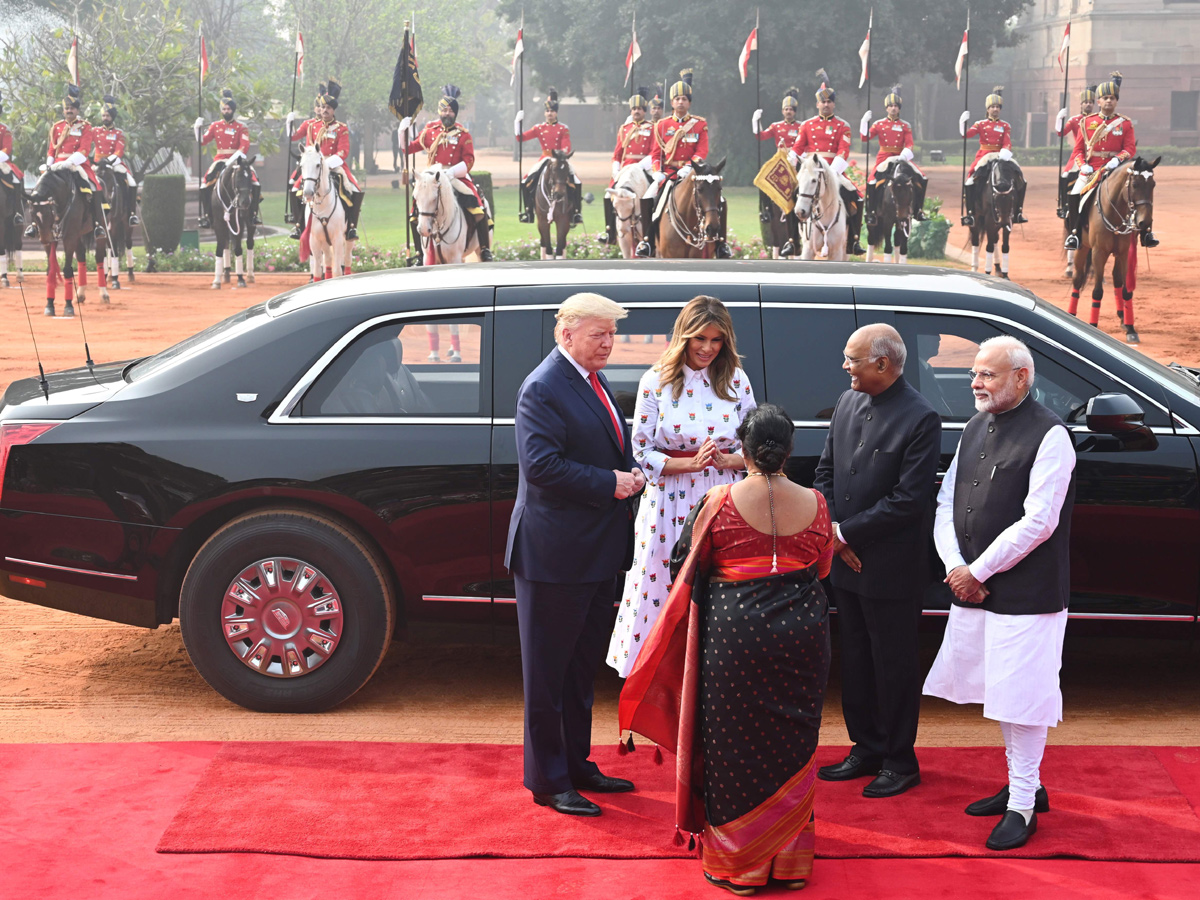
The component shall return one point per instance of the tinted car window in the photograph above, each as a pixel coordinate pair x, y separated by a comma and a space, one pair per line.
409, 368
803, 346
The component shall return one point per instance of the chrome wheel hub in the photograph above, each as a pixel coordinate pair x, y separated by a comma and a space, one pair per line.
282, 617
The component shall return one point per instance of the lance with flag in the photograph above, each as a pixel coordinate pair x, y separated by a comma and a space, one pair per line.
201, 74
1064, 63
751, 46
962, 80
73, 60
518, 75
634, 53
405, 102
297, 73
864, 55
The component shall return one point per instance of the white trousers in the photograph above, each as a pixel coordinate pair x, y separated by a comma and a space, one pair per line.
1023, 748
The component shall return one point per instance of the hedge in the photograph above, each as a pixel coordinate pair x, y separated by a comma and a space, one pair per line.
163, 199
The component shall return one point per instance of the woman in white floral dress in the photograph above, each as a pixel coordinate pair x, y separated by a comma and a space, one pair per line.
689, 407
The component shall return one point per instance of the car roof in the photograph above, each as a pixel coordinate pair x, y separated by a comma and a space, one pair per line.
708, 272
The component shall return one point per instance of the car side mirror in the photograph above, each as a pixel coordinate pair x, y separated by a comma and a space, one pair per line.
1118, 415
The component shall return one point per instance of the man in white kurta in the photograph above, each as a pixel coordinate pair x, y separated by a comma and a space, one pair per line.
1002, 529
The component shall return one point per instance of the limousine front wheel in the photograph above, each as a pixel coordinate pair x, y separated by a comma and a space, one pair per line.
286, 611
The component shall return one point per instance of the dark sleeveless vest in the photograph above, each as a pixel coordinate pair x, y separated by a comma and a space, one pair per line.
995, 458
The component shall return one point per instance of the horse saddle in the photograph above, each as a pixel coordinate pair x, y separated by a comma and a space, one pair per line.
667, 189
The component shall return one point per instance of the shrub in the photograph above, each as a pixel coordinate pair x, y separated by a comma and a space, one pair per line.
162, 211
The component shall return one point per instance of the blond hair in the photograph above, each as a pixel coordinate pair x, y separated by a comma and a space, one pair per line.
582, 306
699, 314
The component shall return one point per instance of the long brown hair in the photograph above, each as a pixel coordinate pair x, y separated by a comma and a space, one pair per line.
700, 313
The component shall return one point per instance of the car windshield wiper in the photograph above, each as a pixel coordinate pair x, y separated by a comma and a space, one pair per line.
1188, 371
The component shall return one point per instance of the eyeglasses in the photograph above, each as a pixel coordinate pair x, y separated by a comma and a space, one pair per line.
985, 377
857, 359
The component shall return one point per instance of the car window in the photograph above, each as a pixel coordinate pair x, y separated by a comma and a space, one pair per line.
803, 346
406, 368
941, 351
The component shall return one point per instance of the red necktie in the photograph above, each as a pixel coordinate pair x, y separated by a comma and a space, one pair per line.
595, 381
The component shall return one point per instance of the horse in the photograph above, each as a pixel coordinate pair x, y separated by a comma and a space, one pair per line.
63, 214
626, 194
328, 249
554, 204
894, 221
819, 206
1121, 208
690, 225
995, 219
446, 232
110, 250
12, 201
233, 219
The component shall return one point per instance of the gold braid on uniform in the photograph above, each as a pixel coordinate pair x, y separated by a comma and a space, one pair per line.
438, 141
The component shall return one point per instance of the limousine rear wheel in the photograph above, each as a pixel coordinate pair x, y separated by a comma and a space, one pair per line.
286, 611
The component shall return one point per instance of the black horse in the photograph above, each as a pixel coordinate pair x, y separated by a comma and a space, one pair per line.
62, 213
893, 223
997, 207
235, 204
555, 203
120, 219
12, 205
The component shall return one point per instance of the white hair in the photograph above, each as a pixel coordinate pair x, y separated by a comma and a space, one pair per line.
586, 305
892, 347
1019, 356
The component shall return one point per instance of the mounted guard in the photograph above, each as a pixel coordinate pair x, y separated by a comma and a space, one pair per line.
70, 147
784, 133
332, 140
634, 140
301, 136
680, 145
1104, 141
828, 136
552, 135
1069, 129
12, 201
449, 145
232, 140
995, 143
895, 139
108, 143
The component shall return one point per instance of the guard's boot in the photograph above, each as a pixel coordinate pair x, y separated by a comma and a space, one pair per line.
32, 230
792, 245
205, 207
1148, 239
1072, 241
854, 207
18, 219
528, 213
969, 219
98, 215
577, 202
352, 214
610, 224
722, 250
257, 201
483, 231
1063, 188
417, 259
1019, 203
869, 216
920, 185
645, 248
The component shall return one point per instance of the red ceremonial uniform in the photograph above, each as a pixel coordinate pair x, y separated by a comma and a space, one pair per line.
679, 142
828, 137
229, 137
634, 142
67, 139
107, 142
893, 135
783, 134
306, 128
447, 148
994, 136
6, 145
333, 140
1070, 130
551, 137
1110, 139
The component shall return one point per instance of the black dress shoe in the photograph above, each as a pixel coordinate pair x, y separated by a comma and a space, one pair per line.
603, 784
998, 803
888, 783
1012, 831
850, 767
569, 803
740, 890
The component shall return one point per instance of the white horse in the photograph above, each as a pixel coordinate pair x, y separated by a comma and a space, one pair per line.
626, 197
328, 248
820, 209
441, 223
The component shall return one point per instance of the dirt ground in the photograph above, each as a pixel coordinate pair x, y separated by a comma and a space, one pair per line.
68, 678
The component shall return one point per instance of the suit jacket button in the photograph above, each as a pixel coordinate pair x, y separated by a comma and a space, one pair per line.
860, 443
983, 456
991, 428
868, 417
976, 483
853, 471
968, 509
847, 496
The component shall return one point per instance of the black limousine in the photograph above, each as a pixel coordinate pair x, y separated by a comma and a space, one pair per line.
295, 482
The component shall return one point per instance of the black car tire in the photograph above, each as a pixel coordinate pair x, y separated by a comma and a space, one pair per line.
367, 601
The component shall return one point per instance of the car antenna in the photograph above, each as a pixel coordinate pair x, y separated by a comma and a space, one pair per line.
41, 372
86, 352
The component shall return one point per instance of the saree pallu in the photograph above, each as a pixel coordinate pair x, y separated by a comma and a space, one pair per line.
732, 680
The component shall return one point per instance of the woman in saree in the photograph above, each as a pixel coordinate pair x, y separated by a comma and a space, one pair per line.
732, 678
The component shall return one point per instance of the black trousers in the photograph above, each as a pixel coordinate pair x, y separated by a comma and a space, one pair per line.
564, 634
881, 678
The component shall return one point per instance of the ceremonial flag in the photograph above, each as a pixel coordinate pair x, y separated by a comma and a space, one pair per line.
518, 50
744, 58
1066, 44
864, 52
203, 59
634, 54
777, 179
962, 55
73, 61
300, 56
406, 98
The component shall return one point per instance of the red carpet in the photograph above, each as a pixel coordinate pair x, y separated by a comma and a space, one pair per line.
81, 820
446, 801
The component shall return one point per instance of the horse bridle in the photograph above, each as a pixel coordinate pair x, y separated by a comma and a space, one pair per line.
436, 232
57, 226
997, 192
695, 239
231, 209
1127, 225
814, 216
542, 179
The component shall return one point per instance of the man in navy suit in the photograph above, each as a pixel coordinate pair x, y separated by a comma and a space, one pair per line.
570, 536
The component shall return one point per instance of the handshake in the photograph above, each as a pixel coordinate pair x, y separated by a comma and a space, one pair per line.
628, 483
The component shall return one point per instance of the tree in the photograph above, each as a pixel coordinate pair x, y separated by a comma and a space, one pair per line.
145, 55
580, 45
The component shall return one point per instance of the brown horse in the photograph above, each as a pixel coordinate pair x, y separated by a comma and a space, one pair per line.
63, 214
693, 222
555, 203
1120, 209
